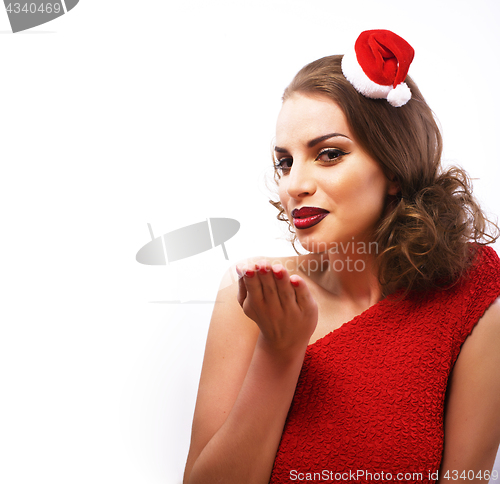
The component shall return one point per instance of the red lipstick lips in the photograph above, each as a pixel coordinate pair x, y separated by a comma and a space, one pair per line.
306, 217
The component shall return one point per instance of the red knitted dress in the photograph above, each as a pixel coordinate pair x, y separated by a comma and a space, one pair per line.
370, 398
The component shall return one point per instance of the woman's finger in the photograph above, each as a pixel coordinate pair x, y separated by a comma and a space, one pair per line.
302, 293
267, 279
242, 290
253, 284
285, 291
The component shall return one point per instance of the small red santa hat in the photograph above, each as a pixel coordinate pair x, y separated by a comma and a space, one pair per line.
378, 65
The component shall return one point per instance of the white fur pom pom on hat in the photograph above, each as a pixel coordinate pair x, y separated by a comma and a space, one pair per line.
399, 96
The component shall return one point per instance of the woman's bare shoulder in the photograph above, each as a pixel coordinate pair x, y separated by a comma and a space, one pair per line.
229, 347
472, 423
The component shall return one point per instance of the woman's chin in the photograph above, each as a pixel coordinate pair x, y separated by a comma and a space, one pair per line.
315, 246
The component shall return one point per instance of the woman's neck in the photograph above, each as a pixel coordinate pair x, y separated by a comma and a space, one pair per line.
349, 272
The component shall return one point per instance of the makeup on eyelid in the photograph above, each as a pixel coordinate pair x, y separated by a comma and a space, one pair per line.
334, 154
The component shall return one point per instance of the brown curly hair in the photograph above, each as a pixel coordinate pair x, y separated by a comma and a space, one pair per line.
425, 237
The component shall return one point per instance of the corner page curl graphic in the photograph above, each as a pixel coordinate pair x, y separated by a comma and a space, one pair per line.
26, 14
188, 241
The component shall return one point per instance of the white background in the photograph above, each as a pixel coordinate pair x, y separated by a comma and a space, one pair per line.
123, 113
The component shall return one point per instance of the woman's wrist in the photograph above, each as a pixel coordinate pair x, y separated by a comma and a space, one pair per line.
283, 351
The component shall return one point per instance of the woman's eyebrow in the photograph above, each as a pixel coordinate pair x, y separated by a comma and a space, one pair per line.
314, 141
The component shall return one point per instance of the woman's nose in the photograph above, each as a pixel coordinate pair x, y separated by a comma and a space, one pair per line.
301, 182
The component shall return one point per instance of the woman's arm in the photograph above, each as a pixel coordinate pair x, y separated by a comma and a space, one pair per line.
249, 376
472, 416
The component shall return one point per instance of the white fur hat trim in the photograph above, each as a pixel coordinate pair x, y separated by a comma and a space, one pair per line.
353, 72
361, 82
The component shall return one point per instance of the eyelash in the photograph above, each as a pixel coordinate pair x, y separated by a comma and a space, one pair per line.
278, 164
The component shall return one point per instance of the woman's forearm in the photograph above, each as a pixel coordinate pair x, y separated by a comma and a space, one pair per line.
244, 448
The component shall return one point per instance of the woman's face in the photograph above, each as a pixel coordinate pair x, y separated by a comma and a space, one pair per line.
330, 188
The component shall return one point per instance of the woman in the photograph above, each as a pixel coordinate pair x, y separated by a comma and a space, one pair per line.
358, 361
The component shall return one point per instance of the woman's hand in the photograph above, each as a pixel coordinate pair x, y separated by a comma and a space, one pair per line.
280, 304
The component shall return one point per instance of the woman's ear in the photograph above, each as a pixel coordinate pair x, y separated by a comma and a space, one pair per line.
393, 188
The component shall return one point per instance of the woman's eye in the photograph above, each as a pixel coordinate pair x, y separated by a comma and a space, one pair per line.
283, 164
330, 154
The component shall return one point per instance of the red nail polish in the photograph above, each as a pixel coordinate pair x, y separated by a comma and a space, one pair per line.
295, 283
249, 273
278, 275
263, 270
